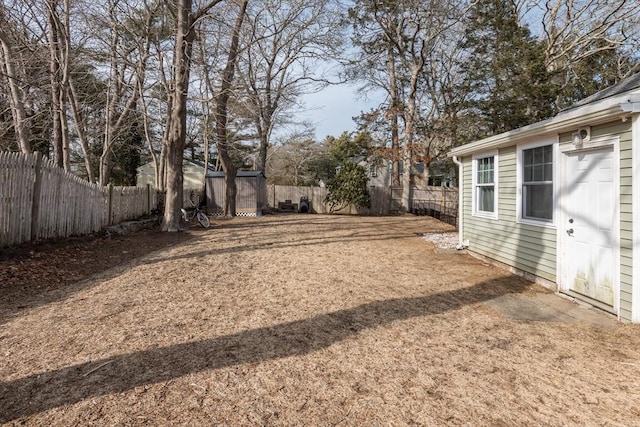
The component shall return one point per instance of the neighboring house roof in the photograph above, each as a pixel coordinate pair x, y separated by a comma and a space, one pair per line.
211, 167
241, 174
184, 162
617, 101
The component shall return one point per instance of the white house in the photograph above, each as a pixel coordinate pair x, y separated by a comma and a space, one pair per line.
193, 174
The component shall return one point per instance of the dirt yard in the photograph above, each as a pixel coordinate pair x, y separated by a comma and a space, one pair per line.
294, 320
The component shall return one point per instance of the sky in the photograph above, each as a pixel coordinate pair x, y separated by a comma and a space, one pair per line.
331, 110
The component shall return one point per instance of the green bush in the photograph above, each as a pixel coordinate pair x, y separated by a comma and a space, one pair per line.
349, 186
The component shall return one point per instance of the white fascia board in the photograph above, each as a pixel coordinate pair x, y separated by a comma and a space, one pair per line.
591, 114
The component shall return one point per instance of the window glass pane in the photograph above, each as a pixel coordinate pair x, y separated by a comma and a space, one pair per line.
537, 173
538, 201
528, 173
528, 157
538, 164
485, 170
485, 199
538, 155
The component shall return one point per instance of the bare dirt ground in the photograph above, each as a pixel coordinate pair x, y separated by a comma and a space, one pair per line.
293, 320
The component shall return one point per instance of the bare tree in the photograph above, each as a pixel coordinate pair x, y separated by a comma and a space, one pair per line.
186, 18
295, 161
222, 100
288, 44
408, 35
9, 58
576, 30
57, 113
126, 65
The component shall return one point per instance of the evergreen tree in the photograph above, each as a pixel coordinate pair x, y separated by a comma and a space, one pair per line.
505, 73
348, 187
596, 72
127, 157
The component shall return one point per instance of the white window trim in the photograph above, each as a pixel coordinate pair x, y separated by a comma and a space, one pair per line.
474, 174
554, 141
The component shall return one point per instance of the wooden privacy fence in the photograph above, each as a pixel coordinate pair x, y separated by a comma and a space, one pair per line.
40, 201
442, 201
438, 202
278, 194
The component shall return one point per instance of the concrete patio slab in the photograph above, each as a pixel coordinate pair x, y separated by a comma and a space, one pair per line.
548, 307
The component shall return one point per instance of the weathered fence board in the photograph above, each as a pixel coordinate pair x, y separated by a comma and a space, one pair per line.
384, 200
439, 202
282, 193
40, 201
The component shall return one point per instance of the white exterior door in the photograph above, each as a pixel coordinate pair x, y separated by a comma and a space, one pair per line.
588, 228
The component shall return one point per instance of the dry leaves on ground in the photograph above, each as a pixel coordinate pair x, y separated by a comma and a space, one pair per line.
294, 320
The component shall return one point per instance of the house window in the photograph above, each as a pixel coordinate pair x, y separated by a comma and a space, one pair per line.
435, 181
485, 178
537, 183
373, 170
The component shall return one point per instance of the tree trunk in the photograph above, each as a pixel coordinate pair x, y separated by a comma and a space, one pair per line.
229, 168
80, 129
178, 119
54, 70
22, 130
161, 172
105, 157
394, 113
63, 58
263, 150
410, 120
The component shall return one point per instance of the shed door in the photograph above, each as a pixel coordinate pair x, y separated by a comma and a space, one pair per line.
588, 228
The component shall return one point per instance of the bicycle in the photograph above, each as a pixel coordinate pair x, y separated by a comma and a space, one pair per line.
202, 217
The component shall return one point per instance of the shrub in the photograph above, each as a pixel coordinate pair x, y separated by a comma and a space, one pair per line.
349, 186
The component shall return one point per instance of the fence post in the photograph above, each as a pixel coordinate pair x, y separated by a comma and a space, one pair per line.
149, 199
110, 208
35, 203
273, 186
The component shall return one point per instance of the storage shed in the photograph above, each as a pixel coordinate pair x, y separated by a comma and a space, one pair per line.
251, 196
558, 200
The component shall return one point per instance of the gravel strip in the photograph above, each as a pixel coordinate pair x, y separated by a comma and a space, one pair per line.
447, 240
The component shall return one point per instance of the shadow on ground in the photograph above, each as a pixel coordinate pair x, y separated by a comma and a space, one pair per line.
34, 275
40, 392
